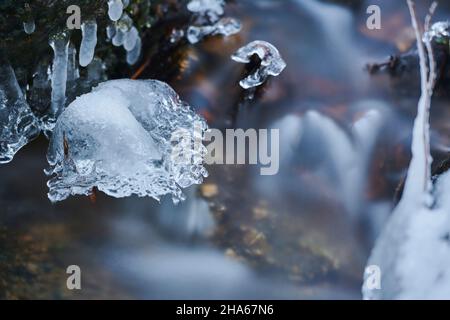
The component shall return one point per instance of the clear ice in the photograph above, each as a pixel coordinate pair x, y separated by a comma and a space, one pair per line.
110, 31
60, 46
271, 62
88, 42
115, 9
213, 9
225, 26
73, 73
18, 125
438, 30
130, 39
29, 27
134, 54
124, 138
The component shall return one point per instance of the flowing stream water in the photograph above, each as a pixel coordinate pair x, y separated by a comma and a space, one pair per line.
303, 233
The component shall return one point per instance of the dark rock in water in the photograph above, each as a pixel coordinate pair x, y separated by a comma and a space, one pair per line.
403, 70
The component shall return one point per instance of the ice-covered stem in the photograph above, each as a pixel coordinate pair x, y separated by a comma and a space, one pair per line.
418, 182
60, 46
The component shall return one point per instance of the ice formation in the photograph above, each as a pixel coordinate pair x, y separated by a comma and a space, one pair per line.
225, 26
29, 26
213, 9
134, 54
60, 46
438, 30
119, 37
122, 138
130, 39
110, 31
271, 62
17, 123
115, 9
124, 33
88, 42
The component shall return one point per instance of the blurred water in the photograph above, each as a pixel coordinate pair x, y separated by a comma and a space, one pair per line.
304, 233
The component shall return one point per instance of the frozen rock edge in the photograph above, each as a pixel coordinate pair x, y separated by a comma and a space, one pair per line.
123, 139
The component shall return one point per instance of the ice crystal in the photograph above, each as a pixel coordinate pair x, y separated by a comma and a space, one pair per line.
271, 62
17, 123
225, 26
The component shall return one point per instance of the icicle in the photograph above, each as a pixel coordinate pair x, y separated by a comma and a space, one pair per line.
130, 39
60, 45
134, 54
211, 8
29, 26
115, 9
88, 42
225, 27
118, 38
123, 26
72, 67
17, 123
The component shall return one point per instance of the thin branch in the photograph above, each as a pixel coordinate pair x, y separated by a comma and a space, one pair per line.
421, 138
431, 59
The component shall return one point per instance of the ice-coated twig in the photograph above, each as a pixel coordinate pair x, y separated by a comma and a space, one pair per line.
115, 9
419, 173
130, 39
225, 27
88, 42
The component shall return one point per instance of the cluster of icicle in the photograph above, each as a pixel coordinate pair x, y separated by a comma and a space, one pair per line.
208, 20
127, 137
122, 31
63, 70
124, 137
272, 64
